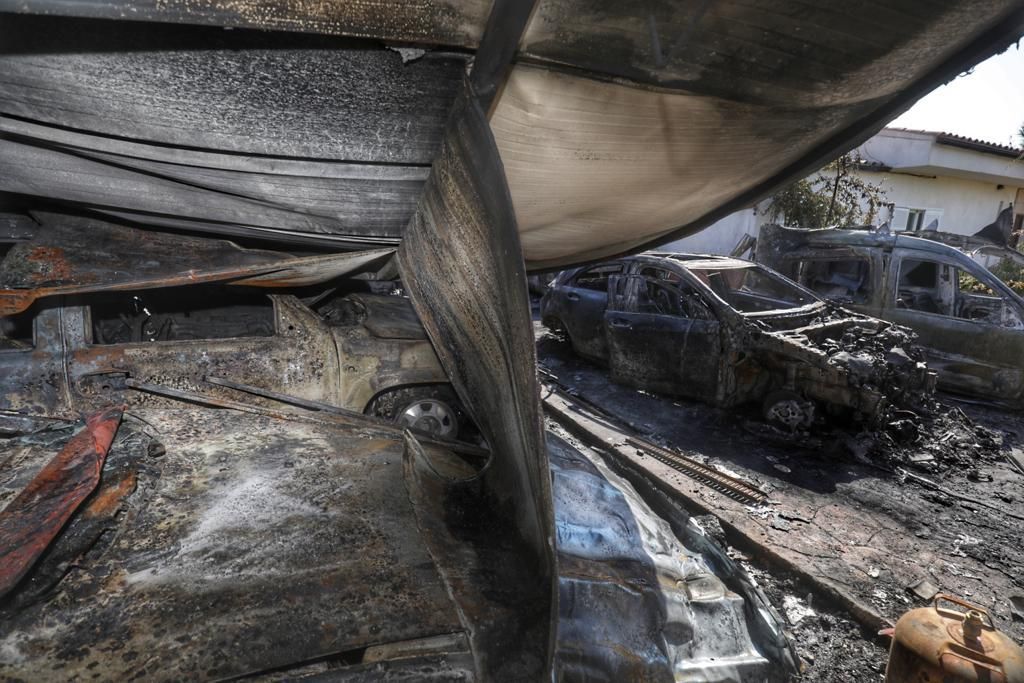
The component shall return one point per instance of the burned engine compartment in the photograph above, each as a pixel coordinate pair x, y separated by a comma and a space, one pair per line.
877, 358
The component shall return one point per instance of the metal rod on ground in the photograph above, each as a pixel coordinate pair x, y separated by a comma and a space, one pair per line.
709, 476
698, 471
457, 446
460, 447
928, 483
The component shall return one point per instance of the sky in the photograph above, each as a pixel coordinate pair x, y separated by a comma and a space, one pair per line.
986, 103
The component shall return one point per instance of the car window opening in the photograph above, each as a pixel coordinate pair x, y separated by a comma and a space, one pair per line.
920, 287
181, 313
661, 297
16, 330
596, 278
845, 280
977, 301
751, 290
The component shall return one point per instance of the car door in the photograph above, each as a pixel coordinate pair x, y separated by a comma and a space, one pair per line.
973, 336
663, 336
585, 301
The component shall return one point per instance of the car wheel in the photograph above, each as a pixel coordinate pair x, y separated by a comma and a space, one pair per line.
433, 410
553, 324
788, 409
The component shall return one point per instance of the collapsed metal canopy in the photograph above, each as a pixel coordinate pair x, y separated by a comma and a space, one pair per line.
615, 128
618, 127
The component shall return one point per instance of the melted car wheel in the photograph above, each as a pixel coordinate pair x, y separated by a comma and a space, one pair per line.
432, 409
788, 409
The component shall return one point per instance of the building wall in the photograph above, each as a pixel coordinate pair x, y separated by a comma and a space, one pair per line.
720, 237
966, 205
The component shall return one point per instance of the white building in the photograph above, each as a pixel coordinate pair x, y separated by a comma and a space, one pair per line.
932, 180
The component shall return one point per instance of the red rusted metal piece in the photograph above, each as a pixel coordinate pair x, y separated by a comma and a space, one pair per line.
66, 256
32, 520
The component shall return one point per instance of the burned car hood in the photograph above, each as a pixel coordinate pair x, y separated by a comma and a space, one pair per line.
867, 351
270, 545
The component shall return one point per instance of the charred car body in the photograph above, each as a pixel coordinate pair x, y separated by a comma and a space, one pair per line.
732, 332
969, 323
361, 352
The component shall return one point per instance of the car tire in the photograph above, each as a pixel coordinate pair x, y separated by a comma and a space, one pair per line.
553, 324
785, 408
432, 409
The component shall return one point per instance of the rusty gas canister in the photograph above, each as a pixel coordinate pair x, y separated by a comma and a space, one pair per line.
939, 644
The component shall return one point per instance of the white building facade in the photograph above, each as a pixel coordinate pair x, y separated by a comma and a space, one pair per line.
931, 181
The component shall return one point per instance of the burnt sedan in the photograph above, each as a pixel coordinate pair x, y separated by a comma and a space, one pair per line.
73, 331
732, 332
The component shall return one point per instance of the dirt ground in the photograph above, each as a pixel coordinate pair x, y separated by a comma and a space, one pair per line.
848, 512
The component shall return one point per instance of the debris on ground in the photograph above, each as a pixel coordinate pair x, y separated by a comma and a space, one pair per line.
893, 515
933, 441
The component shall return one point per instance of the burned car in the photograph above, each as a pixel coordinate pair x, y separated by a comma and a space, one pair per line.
230, 529
358, 351
244, 452
732, 332
968, 321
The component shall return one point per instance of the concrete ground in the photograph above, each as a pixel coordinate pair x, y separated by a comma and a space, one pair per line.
842, 539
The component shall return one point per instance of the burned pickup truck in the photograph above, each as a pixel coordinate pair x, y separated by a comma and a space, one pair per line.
732, 332
969, 322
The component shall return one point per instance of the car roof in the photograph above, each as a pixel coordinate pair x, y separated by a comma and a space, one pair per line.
703, 260
864, 238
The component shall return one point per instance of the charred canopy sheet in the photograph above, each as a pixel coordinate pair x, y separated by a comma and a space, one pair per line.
459, 260
276, 136
713, 105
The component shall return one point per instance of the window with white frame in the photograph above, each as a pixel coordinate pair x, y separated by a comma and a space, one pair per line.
905, 218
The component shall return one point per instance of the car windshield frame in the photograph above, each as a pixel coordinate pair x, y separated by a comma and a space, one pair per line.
805, 299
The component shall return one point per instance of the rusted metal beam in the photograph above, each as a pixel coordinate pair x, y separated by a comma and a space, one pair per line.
70, 255
32, 520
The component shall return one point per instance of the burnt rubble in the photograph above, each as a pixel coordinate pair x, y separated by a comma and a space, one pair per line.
936, 440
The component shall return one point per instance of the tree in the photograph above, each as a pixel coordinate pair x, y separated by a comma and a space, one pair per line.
837, 195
